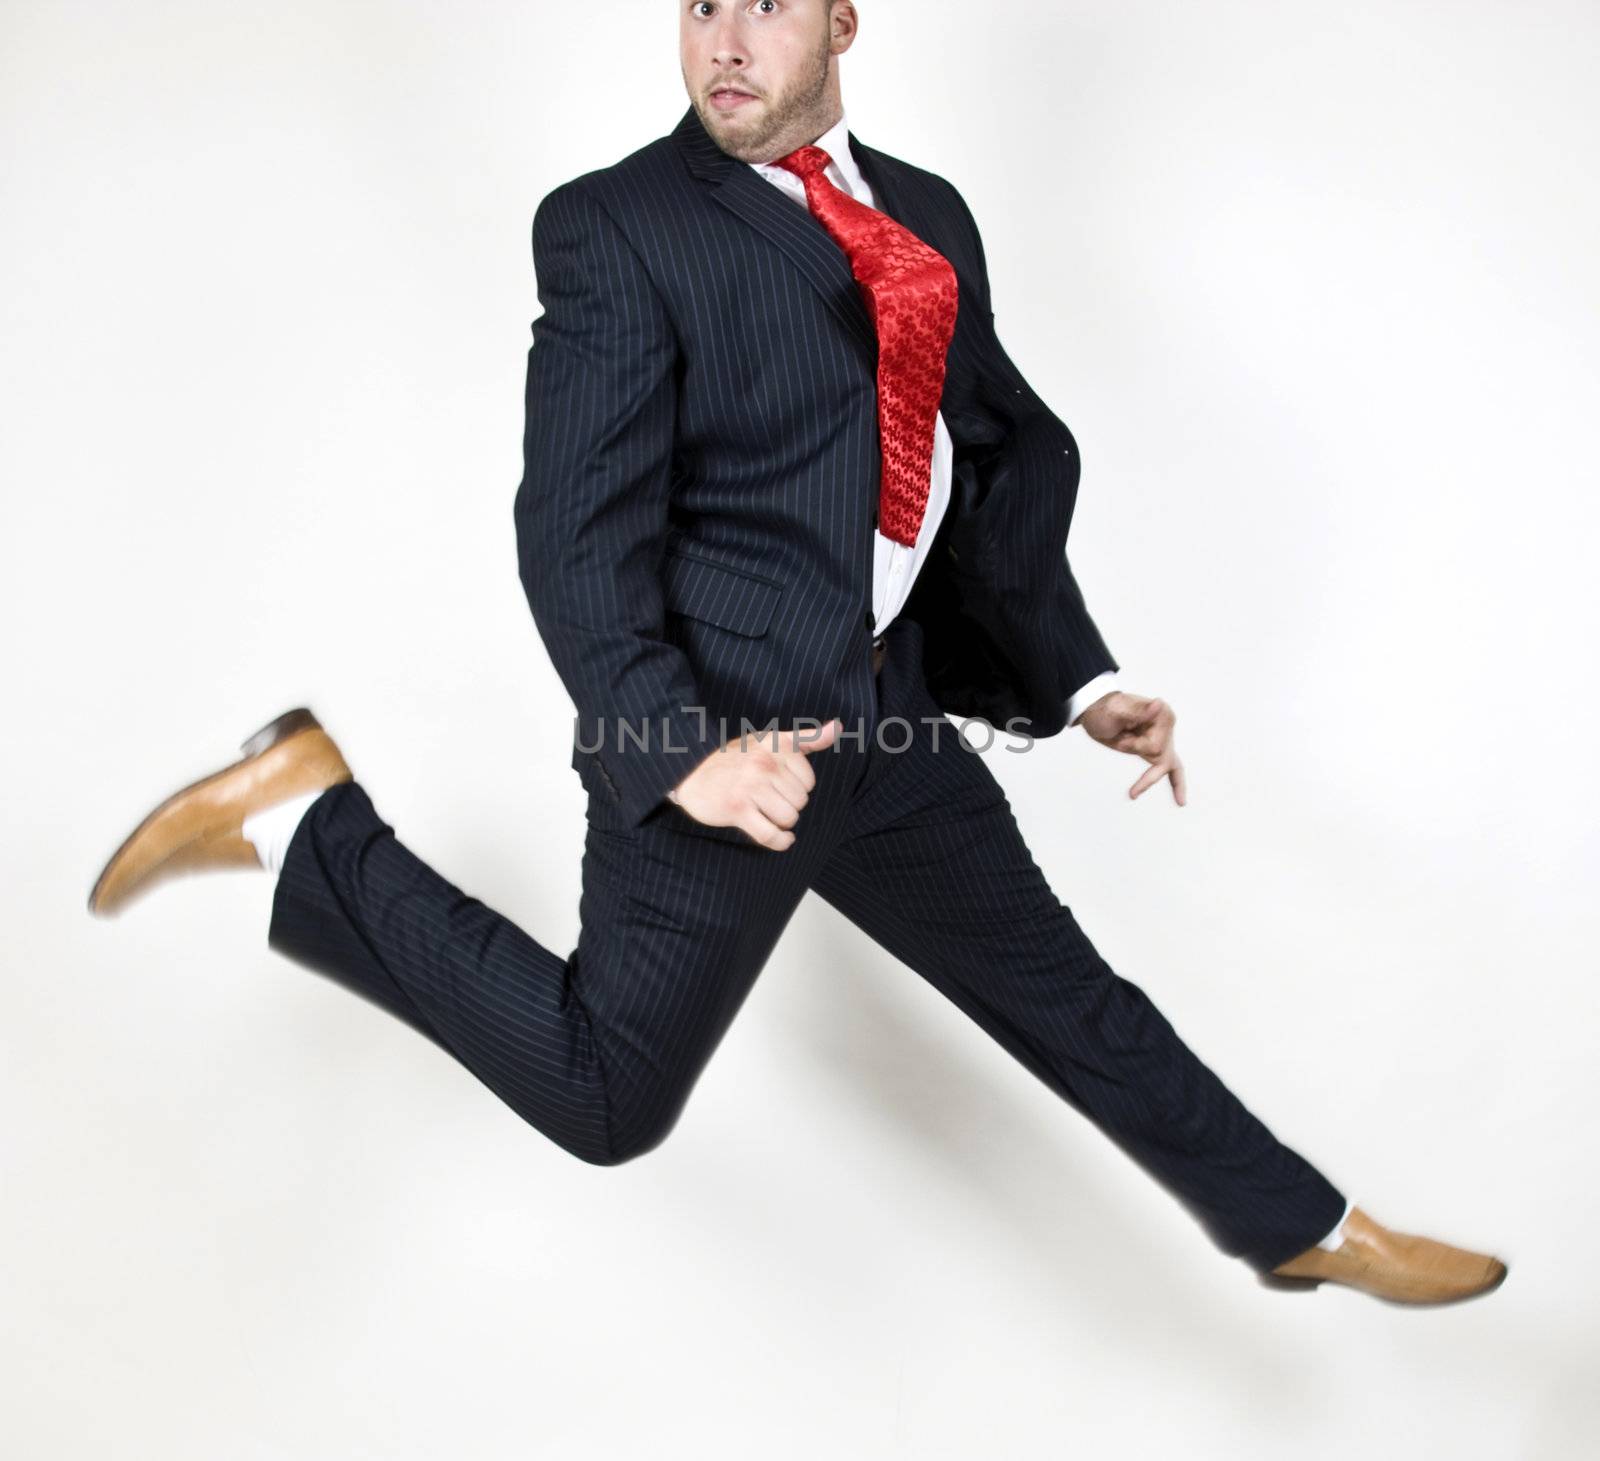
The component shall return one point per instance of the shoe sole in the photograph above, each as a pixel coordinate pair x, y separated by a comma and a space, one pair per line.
1292, 1284
273, 733
1286, 1283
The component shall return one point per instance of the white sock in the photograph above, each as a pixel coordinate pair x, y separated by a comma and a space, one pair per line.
1335, 1238
270, 829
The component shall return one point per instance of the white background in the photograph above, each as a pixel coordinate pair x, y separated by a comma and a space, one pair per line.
1315, 287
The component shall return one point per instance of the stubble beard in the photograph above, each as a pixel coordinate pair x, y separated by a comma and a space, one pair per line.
795, 113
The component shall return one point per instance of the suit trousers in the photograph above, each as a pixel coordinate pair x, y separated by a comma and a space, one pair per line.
910, 837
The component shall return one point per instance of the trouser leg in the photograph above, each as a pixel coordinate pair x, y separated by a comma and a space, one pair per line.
598, 1049
934, 867
354, 903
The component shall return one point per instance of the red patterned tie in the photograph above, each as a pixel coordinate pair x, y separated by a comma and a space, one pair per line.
910, 293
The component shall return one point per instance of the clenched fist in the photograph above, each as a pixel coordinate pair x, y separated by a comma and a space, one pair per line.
758, 783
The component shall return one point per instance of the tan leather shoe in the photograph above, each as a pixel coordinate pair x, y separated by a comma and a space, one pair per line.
198, 828
1394, 1266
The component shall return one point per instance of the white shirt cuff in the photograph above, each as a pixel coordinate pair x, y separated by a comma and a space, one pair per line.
1082, 699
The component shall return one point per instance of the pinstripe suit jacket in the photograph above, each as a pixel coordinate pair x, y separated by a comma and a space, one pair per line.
701, 472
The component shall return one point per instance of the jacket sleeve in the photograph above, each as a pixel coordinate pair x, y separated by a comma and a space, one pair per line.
591, 510
1081, 650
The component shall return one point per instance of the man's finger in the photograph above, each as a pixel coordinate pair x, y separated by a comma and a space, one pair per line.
791, 781
1151, 744
763, 830
1180, 784
776, 808
814, 738
1151, 775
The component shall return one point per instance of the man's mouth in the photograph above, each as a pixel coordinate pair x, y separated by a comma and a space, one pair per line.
729, 98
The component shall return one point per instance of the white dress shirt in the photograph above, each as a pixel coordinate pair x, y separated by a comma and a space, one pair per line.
894, 565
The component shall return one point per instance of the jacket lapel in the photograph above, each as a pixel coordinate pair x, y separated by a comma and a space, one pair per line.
793, 229
803, 240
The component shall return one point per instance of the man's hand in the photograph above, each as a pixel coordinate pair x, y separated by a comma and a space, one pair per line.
758, 783
1141, 727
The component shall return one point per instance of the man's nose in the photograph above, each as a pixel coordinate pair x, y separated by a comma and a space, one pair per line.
728, 49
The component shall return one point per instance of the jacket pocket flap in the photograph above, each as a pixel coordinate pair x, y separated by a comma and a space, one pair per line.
727, 597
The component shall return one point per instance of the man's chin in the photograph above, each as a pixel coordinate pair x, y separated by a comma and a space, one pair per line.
730, 132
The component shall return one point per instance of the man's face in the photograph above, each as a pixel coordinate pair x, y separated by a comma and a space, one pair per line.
761, 74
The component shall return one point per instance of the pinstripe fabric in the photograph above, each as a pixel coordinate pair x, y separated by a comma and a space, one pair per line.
702, 384
695, 529
934, 868
600, 1049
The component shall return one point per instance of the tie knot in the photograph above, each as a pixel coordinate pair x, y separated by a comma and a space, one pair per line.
804, 162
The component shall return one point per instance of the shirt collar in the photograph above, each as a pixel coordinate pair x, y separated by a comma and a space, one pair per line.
836, 143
